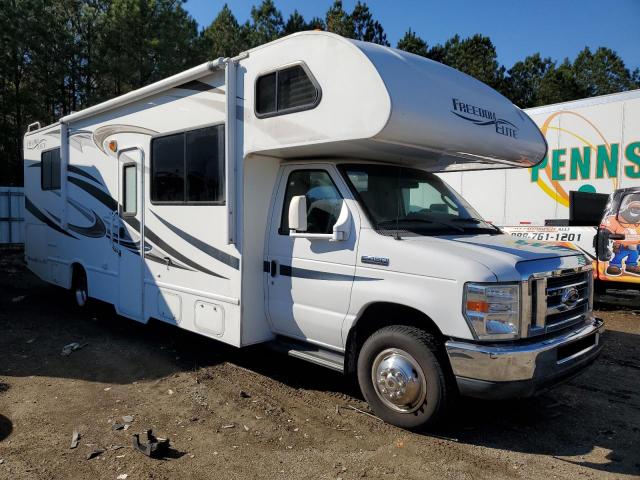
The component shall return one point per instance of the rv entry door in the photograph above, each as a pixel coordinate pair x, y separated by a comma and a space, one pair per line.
129, 236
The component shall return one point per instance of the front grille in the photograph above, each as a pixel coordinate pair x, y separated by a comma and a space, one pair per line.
559, 302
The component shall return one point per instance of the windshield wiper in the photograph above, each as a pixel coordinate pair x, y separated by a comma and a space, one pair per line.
421, 220
476, 221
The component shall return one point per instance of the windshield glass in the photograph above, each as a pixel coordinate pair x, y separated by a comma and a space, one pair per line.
400, 199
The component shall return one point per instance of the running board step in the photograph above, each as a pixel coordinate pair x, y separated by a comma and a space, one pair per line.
310, 353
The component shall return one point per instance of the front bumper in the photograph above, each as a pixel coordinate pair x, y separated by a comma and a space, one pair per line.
523, 369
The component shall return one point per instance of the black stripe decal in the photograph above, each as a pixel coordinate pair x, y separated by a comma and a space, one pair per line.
155, 258
161, 244
112, 204
31, 208
82, 173
289, 271
133, 223
95, 192
97, 230
213, 252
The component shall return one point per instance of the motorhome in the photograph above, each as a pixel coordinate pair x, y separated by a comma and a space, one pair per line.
287, 196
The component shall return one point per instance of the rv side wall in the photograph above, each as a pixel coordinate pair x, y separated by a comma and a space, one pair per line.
167, 258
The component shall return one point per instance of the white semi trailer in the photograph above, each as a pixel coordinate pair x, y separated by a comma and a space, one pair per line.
285, 196
589, 181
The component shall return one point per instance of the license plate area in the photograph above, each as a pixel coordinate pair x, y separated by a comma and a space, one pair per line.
579, 347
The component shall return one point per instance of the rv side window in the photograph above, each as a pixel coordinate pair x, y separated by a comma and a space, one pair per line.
129, 190
188, 167
285, 91
50, 170
323, 200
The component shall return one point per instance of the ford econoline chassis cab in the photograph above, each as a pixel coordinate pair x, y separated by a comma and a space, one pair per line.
286, 196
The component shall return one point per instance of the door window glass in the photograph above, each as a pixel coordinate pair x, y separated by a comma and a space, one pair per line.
323, 200
130, 190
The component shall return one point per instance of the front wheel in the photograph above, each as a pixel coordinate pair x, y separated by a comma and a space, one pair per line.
402, 378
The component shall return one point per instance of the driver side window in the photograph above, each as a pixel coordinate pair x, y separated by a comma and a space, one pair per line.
323, 200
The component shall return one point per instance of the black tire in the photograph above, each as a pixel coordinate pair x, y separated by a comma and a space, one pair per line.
80, 289
427, 353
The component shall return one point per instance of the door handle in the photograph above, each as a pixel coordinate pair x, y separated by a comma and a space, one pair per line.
274, 268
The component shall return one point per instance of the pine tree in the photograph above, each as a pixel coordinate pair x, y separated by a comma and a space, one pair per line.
412, 43
224, 36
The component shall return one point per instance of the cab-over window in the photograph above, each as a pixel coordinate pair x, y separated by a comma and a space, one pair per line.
289, 90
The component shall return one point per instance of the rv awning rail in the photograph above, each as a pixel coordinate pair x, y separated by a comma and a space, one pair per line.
144, 92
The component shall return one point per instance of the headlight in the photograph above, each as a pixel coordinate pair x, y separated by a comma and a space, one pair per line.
492, 310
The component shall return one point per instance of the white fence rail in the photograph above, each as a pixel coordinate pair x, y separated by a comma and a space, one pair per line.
11, 215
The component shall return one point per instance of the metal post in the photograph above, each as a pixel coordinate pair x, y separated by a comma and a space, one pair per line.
64, 162
230, 147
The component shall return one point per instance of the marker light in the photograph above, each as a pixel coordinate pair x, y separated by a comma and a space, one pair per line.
113, 145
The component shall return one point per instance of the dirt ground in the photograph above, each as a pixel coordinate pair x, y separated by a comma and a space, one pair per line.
257, 414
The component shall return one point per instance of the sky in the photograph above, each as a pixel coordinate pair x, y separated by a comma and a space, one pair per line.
555, 28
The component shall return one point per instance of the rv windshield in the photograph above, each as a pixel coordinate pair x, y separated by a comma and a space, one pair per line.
410, 201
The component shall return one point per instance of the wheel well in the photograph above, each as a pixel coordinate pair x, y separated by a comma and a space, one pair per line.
377, 316
77, 271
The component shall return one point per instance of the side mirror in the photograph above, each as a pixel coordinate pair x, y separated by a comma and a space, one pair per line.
341, 229
298, 214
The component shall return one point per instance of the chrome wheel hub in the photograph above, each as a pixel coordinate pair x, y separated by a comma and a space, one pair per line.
398, 380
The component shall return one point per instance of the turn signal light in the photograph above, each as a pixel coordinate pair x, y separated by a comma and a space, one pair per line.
475, 306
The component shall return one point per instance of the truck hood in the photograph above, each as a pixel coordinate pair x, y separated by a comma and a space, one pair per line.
506, 256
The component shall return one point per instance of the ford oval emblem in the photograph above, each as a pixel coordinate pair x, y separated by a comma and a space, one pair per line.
570, 297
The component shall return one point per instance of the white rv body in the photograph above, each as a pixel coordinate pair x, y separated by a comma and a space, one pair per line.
229, 269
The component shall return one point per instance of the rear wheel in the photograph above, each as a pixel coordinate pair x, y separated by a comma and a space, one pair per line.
401, 375
79, 288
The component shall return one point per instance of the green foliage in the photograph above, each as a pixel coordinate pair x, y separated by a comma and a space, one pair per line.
267, 23
58, 56
365, 28
339, 21
525, 79
559, 84
224, 37
412, 43
475, 56
601, 72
